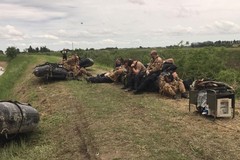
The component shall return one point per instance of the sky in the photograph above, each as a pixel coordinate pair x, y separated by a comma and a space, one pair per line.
71, 24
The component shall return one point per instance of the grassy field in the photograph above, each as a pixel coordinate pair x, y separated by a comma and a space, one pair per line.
100, 121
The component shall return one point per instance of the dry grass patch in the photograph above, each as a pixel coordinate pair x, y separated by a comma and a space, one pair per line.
62, 131
149, 126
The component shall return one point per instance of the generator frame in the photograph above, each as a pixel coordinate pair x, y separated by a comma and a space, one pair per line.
212, 100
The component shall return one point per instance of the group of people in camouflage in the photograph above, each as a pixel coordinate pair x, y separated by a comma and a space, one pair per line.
72, 65
160, 75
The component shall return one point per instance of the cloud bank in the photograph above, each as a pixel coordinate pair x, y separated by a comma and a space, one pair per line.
110, 23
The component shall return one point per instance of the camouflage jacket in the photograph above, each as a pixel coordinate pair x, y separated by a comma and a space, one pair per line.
155, 65
114, 75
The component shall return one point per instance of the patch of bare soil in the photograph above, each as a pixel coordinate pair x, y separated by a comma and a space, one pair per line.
2, 67
3, 64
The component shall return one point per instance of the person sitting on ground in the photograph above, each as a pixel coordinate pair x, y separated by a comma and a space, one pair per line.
83, 71
71, 64
109, 77
137, 70
169, 82
151, 74
118, 63
125, 77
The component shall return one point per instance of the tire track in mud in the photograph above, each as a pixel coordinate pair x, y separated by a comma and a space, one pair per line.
56, 98
88, 147
79, 134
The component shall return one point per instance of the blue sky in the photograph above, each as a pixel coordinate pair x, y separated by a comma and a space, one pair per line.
60, 24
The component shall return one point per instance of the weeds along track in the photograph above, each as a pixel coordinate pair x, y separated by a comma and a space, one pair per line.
62, 115
101, 121
63, 127
88, 147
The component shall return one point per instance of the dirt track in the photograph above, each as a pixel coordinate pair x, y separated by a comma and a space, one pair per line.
3, 64
72, 132
2, 67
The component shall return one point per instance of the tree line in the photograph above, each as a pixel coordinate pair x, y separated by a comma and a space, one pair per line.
234, 43
228, 44
12, 52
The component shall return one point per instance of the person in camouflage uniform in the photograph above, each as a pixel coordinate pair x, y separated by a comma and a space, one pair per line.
109, 77
171, 85
71, 64
151, 74
82, 70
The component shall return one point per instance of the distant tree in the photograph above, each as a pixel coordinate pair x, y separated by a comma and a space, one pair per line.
12, 52
44, 49
30, 49
1, 52
25, 50
37, 49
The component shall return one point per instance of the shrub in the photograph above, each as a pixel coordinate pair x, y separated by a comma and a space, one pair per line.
12, 52
231, 77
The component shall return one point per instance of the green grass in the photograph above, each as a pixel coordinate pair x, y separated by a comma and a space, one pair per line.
128, 123
14, 72
80, 120
17, 84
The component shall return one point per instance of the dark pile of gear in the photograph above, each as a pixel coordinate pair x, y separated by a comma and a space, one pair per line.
212, 98
58, 71
16, 117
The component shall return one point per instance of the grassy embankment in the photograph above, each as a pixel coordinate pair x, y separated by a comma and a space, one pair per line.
101, 121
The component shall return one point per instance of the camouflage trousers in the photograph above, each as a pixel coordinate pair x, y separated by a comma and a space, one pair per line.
74, 69
83, 71
171, 88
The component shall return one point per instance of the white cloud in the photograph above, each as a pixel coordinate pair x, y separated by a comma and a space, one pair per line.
22, 44
67, 42
108, 42
11, 33
13, 11
157, 32
62, 31
140, 2
184, 12
126, 23
221, 27
48, 36
180, 30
